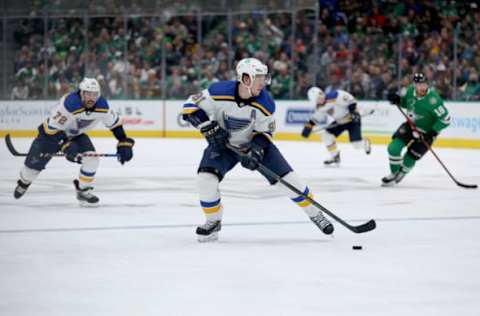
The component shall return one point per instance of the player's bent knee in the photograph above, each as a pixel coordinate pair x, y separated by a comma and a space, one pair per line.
213, 171
207, 184
90, 162
395, 148
415, 152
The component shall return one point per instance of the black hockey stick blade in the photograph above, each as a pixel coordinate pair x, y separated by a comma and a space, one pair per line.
11, 149
366, 227
467, 186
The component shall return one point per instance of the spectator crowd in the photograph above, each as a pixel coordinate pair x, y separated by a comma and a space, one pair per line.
363, 48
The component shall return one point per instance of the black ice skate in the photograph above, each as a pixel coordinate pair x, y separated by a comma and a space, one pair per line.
389, 180
400, 175
324, 224
209, 231
20, 189
393, 178
84, 196
335, 160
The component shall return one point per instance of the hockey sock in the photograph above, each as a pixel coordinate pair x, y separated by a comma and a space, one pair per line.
210, 200
408, 163
300, 200
28, 175
87, 172
329, 140
395, 154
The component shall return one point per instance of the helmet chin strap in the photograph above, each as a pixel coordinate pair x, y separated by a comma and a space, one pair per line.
249, 87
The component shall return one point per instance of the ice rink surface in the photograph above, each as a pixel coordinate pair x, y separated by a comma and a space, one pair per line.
137, 254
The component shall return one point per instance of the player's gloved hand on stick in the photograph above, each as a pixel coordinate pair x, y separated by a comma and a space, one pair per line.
394, 98
430, 136
124, 150
71, 153
216, 136
252, 157
307, 130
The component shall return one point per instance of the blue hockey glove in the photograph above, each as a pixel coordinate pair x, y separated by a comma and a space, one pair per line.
216, 136
307, 130
124, 150
71, 153
252, 157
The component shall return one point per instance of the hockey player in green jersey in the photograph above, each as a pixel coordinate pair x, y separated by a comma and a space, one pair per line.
428, 116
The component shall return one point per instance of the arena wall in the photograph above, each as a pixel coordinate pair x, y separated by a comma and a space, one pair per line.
156, 118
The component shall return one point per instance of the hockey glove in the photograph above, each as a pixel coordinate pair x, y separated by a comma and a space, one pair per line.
430, 136
216, 136
394, 98
71, 153
307, 130
252, 157
124, 150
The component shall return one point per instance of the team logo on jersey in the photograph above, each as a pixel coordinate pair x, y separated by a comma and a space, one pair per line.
84, 123
432, 100
235, 124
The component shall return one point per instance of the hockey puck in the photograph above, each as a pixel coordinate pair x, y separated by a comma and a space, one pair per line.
357, 247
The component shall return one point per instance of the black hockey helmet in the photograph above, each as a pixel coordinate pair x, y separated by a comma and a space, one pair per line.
419, 77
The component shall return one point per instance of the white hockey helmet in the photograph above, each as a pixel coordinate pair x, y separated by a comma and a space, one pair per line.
313, 93
89, 84
252, 67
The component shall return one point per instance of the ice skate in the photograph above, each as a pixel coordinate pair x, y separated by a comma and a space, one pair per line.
334, 161
20, 189
208, 231
84, 196
389, 180
400, 175
324, 224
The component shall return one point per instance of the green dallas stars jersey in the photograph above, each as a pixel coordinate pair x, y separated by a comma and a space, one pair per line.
428, 113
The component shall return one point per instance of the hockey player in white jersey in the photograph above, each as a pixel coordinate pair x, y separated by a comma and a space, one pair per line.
240, 114
64, 131
334, 113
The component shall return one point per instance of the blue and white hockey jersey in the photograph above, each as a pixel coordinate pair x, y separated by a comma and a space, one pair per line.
241, 118
335, 108
73, 118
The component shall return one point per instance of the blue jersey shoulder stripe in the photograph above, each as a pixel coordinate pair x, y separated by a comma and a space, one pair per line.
223, 88
73, 102
332, 95
266, 102
102, 103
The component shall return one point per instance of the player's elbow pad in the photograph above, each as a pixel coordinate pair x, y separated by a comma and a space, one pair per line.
196, 118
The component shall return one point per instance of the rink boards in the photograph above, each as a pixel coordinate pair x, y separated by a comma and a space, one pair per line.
161, 118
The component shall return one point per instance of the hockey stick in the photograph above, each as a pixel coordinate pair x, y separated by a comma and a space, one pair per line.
368, 226
412, 125
318, 129
14, 152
